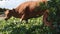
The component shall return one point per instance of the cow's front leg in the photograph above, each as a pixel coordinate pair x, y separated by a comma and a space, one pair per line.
22, 18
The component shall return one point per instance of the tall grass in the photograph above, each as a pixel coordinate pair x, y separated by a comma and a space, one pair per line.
34, 26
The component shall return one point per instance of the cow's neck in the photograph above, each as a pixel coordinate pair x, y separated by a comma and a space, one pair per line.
16, 14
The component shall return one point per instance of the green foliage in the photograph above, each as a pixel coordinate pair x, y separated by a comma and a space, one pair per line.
35, 26
42, 7
54, 9
54, 13
2, 10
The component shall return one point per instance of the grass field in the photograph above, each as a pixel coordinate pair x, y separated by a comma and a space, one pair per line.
35, 26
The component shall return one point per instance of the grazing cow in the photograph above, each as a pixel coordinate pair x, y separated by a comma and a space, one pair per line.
26, 11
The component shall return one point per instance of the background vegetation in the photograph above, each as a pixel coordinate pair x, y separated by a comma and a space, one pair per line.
35, 25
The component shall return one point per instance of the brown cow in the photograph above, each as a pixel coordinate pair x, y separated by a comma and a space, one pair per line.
26, 11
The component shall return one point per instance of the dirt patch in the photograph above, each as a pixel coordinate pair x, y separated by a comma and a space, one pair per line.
2, 17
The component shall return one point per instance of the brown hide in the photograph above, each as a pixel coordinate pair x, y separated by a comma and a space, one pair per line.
26, 11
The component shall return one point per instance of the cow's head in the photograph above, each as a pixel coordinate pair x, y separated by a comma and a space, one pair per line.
8, 14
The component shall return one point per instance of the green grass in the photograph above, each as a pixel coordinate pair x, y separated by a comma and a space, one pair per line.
34, 26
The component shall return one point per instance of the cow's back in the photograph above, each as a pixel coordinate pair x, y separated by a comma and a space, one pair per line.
31, 4
28, 8
23, 6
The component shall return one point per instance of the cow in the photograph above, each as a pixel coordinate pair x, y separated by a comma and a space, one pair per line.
26, 11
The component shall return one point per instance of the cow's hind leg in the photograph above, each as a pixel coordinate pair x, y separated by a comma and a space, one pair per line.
46, 22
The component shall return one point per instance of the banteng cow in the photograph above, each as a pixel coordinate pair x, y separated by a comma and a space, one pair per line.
26, 11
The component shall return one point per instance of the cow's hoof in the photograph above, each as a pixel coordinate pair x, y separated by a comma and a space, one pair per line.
26, 22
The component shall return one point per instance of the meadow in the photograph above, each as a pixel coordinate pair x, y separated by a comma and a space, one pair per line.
34, 26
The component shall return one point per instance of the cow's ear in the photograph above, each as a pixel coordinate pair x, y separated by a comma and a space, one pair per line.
13, 9
10, 10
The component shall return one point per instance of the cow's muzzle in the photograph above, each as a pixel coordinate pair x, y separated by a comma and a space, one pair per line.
5, 19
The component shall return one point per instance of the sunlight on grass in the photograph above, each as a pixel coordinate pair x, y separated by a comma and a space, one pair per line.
33, 27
